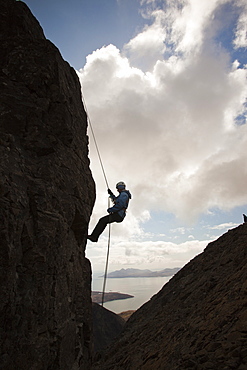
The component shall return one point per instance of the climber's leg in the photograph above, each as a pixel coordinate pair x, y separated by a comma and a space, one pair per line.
101, 225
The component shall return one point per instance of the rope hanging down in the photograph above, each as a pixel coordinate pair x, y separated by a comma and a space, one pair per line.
107, 258
95, 142
109, 226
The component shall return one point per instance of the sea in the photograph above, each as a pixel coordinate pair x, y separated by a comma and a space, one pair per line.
142, 288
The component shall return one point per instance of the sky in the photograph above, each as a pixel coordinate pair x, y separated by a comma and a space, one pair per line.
164, 85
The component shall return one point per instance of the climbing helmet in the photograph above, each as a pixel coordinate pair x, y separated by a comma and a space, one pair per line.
120, 185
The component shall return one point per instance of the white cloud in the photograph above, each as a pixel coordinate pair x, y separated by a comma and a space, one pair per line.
180, 230
191, 22
171, 132
229, 225
149, 45
240, 40
148, 254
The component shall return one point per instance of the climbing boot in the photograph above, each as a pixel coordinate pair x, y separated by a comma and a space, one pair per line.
92, 239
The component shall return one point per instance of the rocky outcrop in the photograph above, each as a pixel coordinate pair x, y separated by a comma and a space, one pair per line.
106, 327
46, 194
197, 321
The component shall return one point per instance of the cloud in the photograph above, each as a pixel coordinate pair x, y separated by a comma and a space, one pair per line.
149, 45
190, 23
170, 129
154, 255
240, 40
224, 226
180, 230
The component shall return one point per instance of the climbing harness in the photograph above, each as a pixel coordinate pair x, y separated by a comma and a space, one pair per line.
109, 225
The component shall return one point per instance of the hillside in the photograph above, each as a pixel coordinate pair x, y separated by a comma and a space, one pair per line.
106, 327
197, 321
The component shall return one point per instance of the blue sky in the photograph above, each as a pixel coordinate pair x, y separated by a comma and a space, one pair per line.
165, 87
78, 27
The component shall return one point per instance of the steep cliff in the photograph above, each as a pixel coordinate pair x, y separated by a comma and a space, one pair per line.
46, 194
197, 321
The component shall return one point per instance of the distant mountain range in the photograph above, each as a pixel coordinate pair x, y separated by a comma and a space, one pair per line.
125, 273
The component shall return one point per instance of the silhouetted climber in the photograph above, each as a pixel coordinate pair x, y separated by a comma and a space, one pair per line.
116, 213
245, 218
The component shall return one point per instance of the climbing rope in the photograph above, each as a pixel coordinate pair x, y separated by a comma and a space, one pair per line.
107, 258
95, 142
109, 225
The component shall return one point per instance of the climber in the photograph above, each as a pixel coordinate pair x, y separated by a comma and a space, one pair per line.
116, 213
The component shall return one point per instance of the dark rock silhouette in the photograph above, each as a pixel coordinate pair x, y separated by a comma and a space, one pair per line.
245, 218
106, 327
46, 194
197, 321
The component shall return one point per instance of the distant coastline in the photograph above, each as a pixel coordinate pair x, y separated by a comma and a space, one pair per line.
109, 296
132, 273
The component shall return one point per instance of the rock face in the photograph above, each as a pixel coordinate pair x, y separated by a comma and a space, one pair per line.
197, 321
46, 194
106, 327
